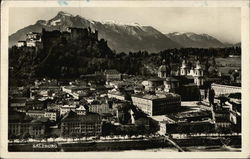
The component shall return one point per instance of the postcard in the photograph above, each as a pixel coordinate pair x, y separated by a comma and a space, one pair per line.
125, 79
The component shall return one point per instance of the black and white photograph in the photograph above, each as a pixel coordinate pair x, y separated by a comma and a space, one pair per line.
124, 79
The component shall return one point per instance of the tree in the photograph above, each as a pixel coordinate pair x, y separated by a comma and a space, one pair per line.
65, 135
41, 137
25, 136
54, 136
79, 136
73, 135
211, 95
46, 136
11, 137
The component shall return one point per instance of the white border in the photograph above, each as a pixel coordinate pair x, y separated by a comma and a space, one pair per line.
245, 16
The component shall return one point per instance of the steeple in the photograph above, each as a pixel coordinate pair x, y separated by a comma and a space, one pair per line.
198, 75
184, 68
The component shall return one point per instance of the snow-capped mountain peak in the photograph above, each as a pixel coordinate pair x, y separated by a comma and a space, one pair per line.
55, 22
114, 22
64, 13
190, 39
122, 36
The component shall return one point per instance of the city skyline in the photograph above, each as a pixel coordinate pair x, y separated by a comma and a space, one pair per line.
221, 23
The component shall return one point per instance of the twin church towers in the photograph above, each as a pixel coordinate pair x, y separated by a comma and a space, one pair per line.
165, 71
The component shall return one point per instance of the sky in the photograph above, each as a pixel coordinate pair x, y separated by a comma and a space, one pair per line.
222, 23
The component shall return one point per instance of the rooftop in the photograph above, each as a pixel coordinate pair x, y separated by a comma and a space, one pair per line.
192, 114
68, 106
157, 96
72, 116
116, 93
81, 108
36, 111
19, 100
76, 87
111, 71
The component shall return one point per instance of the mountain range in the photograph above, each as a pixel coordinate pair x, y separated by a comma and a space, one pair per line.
122, 37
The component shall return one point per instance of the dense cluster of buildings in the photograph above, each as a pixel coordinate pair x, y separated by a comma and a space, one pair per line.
82, 107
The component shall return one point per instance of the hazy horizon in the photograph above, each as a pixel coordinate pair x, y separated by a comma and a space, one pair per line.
221, 23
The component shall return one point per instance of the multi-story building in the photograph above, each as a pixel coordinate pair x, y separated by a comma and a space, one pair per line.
157, 104
220, 89
35, 113
235, 114
71, 89
66, 108
187, 122
186, 127
20, 124
37, 128
18, 103
221, 118
35, 105
100, 108
73, 124
32, 39
52, 115
112, 75
76, 92
116, 95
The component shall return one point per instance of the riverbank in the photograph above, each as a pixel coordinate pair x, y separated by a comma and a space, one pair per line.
158, 144
111, 145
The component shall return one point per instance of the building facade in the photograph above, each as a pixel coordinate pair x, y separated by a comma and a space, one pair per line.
66, 108
225, 89
86, 125
116, 95
33, 39
19, 124
35, 113
112, 75
157, 104
101, 108
51, 115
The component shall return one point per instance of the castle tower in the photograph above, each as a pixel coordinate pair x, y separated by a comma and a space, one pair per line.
184, 68
163, 70
198, 74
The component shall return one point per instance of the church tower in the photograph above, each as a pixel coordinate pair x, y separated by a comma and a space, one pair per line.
184, 68
198, 74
